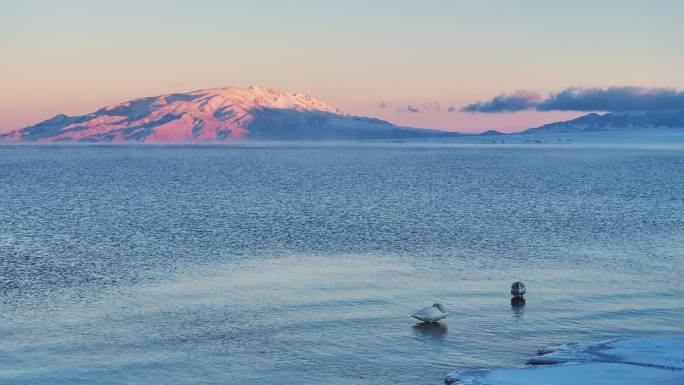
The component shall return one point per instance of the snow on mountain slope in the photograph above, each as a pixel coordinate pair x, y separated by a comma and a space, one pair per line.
615, 122
629, 128
218, 114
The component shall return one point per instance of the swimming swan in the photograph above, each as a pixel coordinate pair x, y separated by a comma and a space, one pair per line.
518, 289
433, 313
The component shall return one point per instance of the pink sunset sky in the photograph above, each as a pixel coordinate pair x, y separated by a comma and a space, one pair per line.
412, 63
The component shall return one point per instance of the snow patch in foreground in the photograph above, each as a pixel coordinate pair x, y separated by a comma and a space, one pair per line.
638, 361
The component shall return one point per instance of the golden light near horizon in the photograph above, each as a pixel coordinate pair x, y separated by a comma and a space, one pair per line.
76, 56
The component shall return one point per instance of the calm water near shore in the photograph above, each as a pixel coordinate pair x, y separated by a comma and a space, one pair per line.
301, 265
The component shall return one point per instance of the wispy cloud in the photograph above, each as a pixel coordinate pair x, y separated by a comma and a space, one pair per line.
518, 101
613, 99
431, 106
383, 105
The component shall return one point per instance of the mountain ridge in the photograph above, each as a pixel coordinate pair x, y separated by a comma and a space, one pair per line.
215, 115
614, 121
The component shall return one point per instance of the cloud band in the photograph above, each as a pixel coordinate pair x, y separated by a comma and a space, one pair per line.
612, 99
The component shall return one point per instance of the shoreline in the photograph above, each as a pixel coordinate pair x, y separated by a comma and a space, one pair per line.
622, 361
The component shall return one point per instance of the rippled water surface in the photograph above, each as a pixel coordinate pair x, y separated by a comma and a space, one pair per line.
301, 265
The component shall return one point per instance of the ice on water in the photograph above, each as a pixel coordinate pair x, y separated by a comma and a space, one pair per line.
646, 360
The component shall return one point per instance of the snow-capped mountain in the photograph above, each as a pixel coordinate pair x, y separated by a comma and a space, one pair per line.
219, 114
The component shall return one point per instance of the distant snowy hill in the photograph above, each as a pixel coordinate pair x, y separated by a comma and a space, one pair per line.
661, 127
615, 122
219, 114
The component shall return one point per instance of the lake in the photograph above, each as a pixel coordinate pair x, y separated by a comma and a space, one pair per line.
302, 264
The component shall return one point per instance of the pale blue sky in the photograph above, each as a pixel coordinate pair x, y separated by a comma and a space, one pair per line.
75, 56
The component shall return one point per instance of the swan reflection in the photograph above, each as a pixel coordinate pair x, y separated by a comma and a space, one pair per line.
431, 329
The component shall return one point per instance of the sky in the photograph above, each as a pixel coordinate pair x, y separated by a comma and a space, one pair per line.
414, 63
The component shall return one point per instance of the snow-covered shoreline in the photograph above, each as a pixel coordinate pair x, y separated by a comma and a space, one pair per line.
646, 360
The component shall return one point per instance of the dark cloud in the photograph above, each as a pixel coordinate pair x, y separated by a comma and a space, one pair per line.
520, 100
612, 99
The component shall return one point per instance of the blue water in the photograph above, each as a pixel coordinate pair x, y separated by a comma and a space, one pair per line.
301, 265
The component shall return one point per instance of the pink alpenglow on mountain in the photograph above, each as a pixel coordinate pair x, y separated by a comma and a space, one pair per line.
211, 115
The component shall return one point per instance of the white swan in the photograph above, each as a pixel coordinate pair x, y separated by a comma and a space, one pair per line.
433, 313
